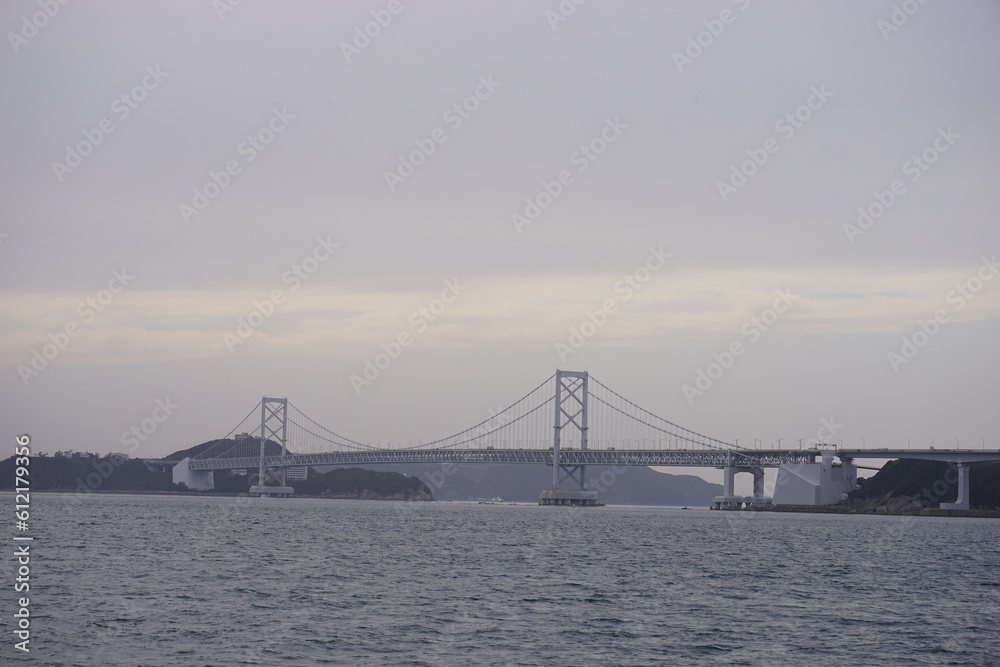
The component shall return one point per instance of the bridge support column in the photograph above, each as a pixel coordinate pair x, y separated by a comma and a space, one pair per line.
962, 501
758, 482
729, 480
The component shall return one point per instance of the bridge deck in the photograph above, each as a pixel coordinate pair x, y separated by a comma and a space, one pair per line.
950, 455
603, 457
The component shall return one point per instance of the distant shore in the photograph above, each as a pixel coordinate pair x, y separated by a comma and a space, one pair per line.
136, 492
881, 511
200, 494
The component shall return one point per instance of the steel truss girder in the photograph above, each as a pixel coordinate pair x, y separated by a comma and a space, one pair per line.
568, 458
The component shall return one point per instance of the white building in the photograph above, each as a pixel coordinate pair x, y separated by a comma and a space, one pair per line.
296, 473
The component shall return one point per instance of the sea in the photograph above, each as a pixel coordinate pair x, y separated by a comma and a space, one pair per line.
189, 581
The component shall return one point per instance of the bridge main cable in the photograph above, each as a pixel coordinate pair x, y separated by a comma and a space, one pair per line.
342, 440
491, 418
243, 421
706, 440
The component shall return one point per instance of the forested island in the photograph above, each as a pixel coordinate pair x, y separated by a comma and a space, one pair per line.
91, 473
914, 487
912, 484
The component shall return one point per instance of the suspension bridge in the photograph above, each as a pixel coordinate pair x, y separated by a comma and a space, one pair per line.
570, 421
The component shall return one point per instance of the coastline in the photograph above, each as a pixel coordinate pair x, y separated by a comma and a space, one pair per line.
207, 494
879, 511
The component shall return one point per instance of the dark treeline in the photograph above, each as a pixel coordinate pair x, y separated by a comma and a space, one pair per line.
932, 482
90, 472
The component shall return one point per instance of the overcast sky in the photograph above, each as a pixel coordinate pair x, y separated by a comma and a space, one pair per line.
362, 176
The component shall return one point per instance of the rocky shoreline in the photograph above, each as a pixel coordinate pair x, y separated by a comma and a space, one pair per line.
885, 506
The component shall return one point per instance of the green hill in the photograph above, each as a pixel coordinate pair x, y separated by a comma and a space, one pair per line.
227, 448
90, 472
931, 482
631, 485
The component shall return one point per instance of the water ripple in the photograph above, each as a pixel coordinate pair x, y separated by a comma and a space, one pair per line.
180, 581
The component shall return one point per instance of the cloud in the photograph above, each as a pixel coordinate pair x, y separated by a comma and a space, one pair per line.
147, 325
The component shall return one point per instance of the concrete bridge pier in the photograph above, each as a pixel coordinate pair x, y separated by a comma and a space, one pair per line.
729, 499
729, 475
758, 482
962, 501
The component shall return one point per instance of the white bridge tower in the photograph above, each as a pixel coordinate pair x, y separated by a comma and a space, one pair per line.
570, 410
274, 427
